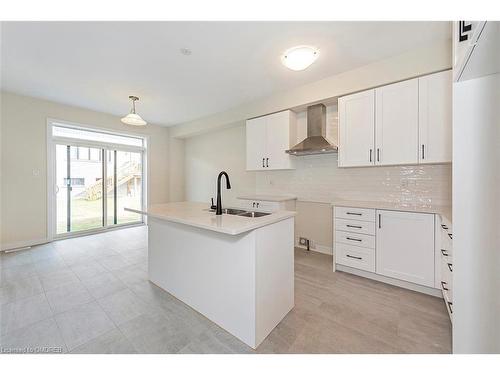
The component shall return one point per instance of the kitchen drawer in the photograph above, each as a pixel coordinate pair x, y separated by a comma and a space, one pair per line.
355, 239
363, 214
355, 226
447, 278
355, 257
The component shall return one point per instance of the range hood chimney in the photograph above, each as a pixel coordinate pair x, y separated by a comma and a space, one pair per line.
316, 142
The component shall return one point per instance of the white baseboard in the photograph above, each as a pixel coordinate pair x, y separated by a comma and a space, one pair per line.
317, 248
389, 280
21, 244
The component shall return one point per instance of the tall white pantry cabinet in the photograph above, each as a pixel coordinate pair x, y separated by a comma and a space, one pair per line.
408, 122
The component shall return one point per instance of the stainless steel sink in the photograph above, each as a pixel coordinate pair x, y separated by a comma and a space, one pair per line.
230, 211
254, 214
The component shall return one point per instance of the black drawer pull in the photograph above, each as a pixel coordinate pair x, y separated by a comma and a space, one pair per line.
354, 213
350, 256
450, 305
353, 239
450, 267
443, 283
444, 252
354, 226
450, 235
444, 226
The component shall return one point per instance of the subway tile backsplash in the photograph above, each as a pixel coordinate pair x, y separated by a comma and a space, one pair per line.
318, 179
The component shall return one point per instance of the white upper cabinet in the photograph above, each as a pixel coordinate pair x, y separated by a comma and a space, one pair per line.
396, 123
408, 122
434, 128
256, 130
356, 129
268, 138
405, 246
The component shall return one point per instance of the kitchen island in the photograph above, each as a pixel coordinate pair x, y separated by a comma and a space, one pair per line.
236, 270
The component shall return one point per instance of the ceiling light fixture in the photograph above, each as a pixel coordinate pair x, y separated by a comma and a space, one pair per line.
300, 57
133, 118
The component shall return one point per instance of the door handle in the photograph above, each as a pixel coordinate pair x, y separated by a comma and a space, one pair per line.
267, 162
263, 159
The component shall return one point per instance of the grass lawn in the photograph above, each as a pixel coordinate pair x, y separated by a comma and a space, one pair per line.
88, 214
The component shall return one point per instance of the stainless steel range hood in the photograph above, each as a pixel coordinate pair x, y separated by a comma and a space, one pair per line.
316, 142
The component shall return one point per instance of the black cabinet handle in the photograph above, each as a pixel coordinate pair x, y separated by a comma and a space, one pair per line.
354, 213
423, 152
450, 267
267, 162
378, 154
353, 239
263, 160
350, 256
444, 252
450, 305
354, 226
443, 283
379, 221
450, 235
444, 226
371, 155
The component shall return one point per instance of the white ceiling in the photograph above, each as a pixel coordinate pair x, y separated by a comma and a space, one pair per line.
96, 65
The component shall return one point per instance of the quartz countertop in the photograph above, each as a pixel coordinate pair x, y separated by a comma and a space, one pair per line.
443, 211
198, 215
268, 198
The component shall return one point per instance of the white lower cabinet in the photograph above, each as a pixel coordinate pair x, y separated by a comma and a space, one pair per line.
405, 246
394, 245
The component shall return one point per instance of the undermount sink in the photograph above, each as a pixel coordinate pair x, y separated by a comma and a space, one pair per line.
254, 214
238, 212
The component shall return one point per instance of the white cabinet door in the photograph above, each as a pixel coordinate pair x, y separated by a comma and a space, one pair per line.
278, 140
357, 129
434, 116
256, 132
405, 246
396, 123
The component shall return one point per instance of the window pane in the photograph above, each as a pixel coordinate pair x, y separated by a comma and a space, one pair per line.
61, 189
111, 191
129, 185
58, 130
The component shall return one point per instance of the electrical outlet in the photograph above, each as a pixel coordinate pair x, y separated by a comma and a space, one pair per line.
303, 241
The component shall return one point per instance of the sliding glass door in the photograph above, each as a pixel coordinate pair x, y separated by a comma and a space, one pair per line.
95, 183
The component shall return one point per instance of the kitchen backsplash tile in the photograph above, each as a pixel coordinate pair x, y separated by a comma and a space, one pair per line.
318, 179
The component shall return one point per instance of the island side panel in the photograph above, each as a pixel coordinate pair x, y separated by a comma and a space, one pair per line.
212, 272
274, 275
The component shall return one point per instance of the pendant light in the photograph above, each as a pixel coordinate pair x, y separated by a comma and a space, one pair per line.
133, 118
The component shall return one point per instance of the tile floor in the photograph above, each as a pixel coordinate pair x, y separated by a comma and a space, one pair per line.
92, 295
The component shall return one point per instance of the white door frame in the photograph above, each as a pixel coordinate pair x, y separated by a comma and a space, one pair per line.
51, 177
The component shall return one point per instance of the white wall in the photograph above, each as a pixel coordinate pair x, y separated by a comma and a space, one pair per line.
209, 154
24, 162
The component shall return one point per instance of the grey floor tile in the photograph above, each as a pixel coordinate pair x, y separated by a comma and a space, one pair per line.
132, 274
17, 272
112, 342
15, 258
21, 313
88, 269
38, 338
68, 296
125, 305
156, 334
216, 341
42, 252
103, 284
113, 262
49, 265
82, 324
18, 289
55, 279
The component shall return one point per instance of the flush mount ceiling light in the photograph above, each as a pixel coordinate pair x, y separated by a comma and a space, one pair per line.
300, 57
133, 118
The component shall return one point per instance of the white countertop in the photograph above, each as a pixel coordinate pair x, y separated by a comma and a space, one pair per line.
197, 215
268, 198
444, 211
